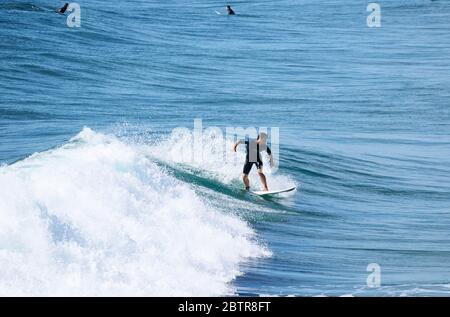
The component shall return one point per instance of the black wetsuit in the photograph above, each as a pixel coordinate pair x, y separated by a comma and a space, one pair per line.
253, 156
63, 9
230, 11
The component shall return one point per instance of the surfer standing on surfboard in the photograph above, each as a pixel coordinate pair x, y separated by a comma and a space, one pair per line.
253, 147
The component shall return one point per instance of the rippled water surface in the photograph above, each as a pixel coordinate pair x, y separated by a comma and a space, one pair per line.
104, 205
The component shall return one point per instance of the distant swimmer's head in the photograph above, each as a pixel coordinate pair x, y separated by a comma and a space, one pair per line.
64, 8
229, 10
262, 138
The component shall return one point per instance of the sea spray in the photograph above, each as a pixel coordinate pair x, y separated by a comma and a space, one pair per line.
218, 160
97, 217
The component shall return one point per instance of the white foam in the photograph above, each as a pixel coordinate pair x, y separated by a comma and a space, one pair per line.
97, 217
217, 159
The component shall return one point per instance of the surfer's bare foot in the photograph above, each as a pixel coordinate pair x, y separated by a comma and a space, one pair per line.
266, 189
247, 188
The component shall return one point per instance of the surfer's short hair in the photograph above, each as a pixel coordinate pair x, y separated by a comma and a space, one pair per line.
262, 136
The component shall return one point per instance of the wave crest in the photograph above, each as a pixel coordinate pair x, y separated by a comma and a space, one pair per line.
97, 217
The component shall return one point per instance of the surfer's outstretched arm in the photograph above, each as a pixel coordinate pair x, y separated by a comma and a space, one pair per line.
269, 152
236, 144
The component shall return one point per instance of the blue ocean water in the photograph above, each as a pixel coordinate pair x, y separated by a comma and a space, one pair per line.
95, 201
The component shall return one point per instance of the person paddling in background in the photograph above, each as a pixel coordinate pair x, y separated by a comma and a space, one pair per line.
253, 148
63, 9
229, 10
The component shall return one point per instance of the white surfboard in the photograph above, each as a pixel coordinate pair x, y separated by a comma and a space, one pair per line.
273, 192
